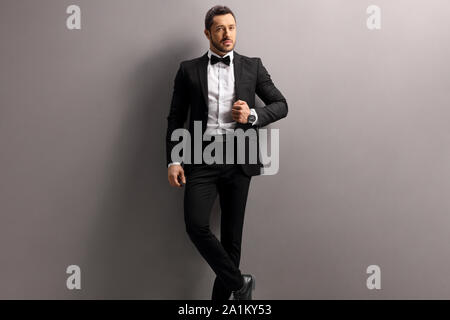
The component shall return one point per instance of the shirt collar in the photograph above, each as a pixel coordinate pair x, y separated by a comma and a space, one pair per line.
228, 54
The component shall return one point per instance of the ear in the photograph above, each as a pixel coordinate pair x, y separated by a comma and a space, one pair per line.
207, 34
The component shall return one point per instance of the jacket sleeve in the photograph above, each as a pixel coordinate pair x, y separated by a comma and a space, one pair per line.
179, 107
275, 104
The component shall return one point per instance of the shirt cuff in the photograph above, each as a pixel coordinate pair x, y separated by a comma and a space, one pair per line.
173, 163
253, 112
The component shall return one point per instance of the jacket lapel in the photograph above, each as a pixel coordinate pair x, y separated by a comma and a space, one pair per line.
237, 73
202, 72
237, 80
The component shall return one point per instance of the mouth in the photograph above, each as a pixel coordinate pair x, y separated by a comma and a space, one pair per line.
227, 42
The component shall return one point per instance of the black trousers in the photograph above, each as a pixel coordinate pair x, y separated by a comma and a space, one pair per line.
203, 183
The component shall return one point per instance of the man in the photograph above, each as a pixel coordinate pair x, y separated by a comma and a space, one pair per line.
219, 90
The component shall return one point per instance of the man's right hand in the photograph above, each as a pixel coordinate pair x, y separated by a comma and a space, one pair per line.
173, 172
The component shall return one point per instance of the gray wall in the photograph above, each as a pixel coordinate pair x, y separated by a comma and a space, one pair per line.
364, 169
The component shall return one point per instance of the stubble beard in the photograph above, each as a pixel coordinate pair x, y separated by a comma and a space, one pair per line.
221, 48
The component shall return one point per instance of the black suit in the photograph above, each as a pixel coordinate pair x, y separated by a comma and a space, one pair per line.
230, 181
190, 91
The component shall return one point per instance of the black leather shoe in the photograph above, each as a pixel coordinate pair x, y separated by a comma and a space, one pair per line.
245, 293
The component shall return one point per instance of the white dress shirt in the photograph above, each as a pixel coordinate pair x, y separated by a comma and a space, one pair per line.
221, 97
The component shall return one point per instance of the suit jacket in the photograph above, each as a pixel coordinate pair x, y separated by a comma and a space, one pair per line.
191, 92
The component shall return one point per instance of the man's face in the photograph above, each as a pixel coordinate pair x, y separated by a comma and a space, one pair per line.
222, 34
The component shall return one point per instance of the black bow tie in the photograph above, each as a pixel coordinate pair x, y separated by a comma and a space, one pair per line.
215, 59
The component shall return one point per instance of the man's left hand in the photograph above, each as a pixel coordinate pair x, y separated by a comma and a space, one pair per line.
240, 111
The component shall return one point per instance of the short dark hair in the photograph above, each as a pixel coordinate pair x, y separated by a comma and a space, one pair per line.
216, 11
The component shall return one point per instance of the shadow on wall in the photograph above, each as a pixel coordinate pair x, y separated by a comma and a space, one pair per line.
139, 248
